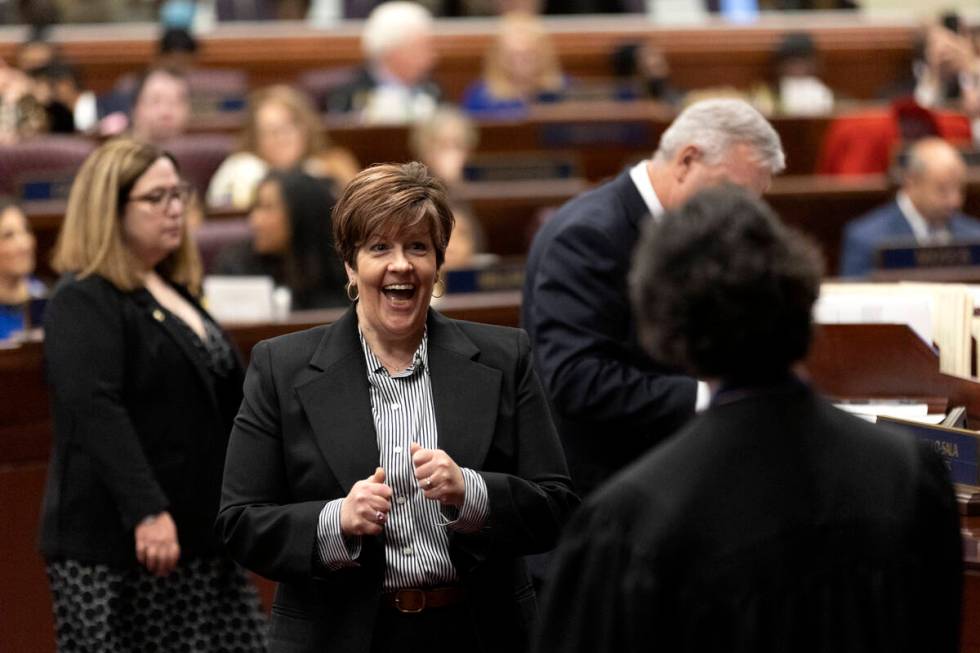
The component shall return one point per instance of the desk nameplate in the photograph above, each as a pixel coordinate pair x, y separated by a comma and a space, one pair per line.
929, 256
960, 450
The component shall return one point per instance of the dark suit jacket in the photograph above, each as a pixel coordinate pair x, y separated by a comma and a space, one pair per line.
610, 400
354, 95
887, 225
140, 424
773, 522
305, 434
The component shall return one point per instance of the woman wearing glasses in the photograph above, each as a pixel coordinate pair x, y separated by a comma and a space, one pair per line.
144, 387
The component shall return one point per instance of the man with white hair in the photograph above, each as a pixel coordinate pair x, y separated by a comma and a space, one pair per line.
610, 401
394, 85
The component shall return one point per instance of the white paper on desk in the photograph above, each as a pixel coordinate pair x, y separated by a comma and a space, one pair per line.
239, 299
974, 291
909, 411
899, 410
915, 311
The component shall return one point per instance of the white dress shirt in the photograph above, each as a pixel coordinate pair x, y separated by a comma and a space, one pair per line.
641, 179
924, 234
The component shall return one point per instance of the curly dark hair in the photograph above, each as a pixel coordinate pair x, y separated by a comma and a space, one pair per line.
724, 290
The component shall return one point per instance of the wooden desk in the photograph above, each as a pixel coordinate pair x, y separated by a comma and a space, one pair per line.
888, 360
846, 359
822, 206
817, 205
507, 211
604, 135
858, 55
25, 443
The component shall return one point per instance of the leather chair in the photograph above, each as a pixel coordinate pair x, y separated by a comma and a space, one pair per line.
42, 168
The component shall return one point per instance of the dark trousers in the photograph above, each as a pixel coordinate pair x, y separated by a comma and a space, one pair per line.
438, 630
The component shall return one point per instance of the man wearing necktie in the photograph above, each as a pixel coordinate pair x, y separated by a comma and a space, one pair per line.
926, 210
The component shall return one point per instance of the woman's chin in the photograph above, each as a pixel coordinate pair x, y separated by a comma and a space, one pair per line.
402, 323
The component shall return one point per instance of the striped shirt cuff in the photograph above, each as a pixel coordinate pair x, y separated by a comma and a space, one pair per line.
476, 506
336, 551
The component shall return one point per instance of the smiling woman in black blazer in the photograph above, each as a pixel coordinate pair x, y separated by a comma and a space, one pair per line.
391, 469
144, 386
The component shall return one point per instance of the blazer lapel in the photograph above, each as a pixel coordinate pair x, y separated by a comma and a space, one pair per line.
899, 227
337, 402
168, 324
466, 393
635, 207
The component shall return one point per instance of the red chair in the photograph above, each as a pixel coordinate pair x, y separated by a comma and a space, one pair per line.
866, 142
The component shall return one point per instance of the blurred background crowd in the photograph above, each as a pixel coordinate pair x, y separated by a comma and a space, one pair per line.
252, 151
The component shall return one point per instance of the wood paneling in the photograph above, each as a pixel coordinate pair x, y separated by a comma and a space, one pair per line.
858, 55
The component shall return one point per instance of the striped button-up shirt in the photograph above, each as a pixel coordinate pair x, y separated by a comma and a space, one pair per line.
415, 534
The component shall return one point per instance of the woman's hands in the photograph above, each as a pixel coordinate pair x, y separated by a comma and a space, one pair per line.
365, 509
157, 547
438, 475
366, 506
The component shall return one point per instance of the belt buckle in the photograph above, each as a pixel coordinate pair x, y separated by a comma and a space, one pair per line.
414, 606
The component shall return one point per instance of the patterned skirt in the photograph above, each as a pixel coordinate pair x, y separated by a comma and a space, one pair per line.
206, 604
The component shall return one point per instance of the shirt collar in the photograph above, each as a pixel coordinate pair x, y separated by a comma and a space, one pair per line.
641, 179
920, 227
420, 361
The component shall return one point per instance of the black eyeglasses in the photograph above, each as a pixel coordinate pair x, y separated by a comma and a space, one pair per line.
162, 197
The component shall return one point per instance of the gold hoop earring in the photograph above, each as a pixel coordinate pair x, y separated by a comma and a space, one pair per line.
352, 293
439, 282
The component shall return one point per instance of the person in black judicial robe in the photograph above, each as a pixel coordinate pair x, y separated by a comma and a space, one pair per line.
612, 401
773, 522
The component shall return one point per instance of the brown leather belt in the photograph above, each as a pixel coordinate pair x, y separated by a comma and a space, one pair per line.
413, 601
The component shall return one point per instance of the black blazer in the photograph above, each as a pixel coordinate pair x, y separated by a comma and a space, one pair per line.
611, 402
140, 424
305, 435
772, 522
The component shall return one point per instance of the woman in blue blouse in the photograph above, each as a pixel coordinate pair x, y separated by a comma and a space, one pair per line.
520, 69
17, 285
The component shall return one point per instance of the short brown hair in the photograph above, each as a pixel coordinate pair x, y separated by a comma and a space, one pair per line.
298, 105
91, 238
391, 196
